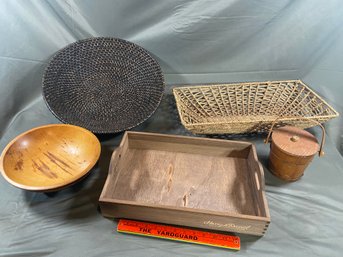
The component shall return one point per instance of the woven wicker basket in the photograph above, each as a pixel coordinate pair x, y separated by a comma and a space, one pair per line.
249, 107
105, 85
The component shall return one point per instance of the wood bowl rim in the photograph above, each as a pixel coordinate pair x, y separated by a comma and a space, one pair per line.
59, 185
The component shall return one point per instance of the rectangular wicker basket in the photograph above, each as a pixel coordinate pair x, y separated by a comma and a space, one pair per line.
249, 107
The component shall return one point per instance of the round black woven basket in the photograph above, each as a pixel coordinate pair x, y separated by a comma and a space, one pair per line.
106, 85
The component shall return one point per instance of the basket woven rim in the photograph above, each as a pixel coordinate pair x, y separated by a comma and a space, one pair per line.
265, 120
105, 38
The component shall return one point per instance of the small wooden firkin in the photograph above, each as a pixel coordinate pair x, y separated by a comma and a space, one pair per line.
292, 150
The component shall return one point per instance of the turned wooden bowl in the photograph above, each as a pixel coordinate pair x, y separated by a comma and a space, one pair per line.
50, 157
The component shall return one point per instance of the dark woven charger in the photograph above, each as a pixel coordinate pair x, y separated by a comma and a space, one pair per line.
106, 85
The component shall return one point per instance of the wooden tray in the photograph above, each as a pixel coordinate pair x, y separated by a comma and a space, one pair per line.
197, 182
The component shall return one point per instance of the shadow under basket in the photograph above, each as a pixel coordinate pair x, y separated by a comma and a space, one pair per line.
197, 182
249, 107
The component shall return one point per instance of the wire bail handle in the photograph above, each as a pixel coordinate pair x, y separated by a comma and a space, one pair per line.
295, 138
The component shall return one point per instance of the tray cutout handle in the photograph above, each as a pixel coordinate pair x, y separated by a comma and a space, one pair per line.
320, 152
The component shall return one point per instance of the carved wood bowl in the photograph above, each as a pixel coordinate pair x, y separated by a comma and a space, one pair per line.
49, 158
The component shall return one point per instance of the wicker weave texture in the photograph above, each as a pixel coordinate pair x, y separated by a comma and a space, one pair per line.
249, 107
106, 85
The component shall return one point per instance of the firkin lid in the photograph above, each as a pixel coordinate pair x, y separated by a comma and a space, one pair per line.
295, 141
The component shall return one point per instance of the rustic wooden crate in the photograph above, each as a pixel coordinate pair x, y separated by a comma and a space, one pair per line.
196, 182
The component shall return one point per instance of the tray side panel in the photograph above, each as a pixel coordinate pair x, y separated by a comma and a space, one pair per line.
118, 159
182, 144
257, 182
189, 219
